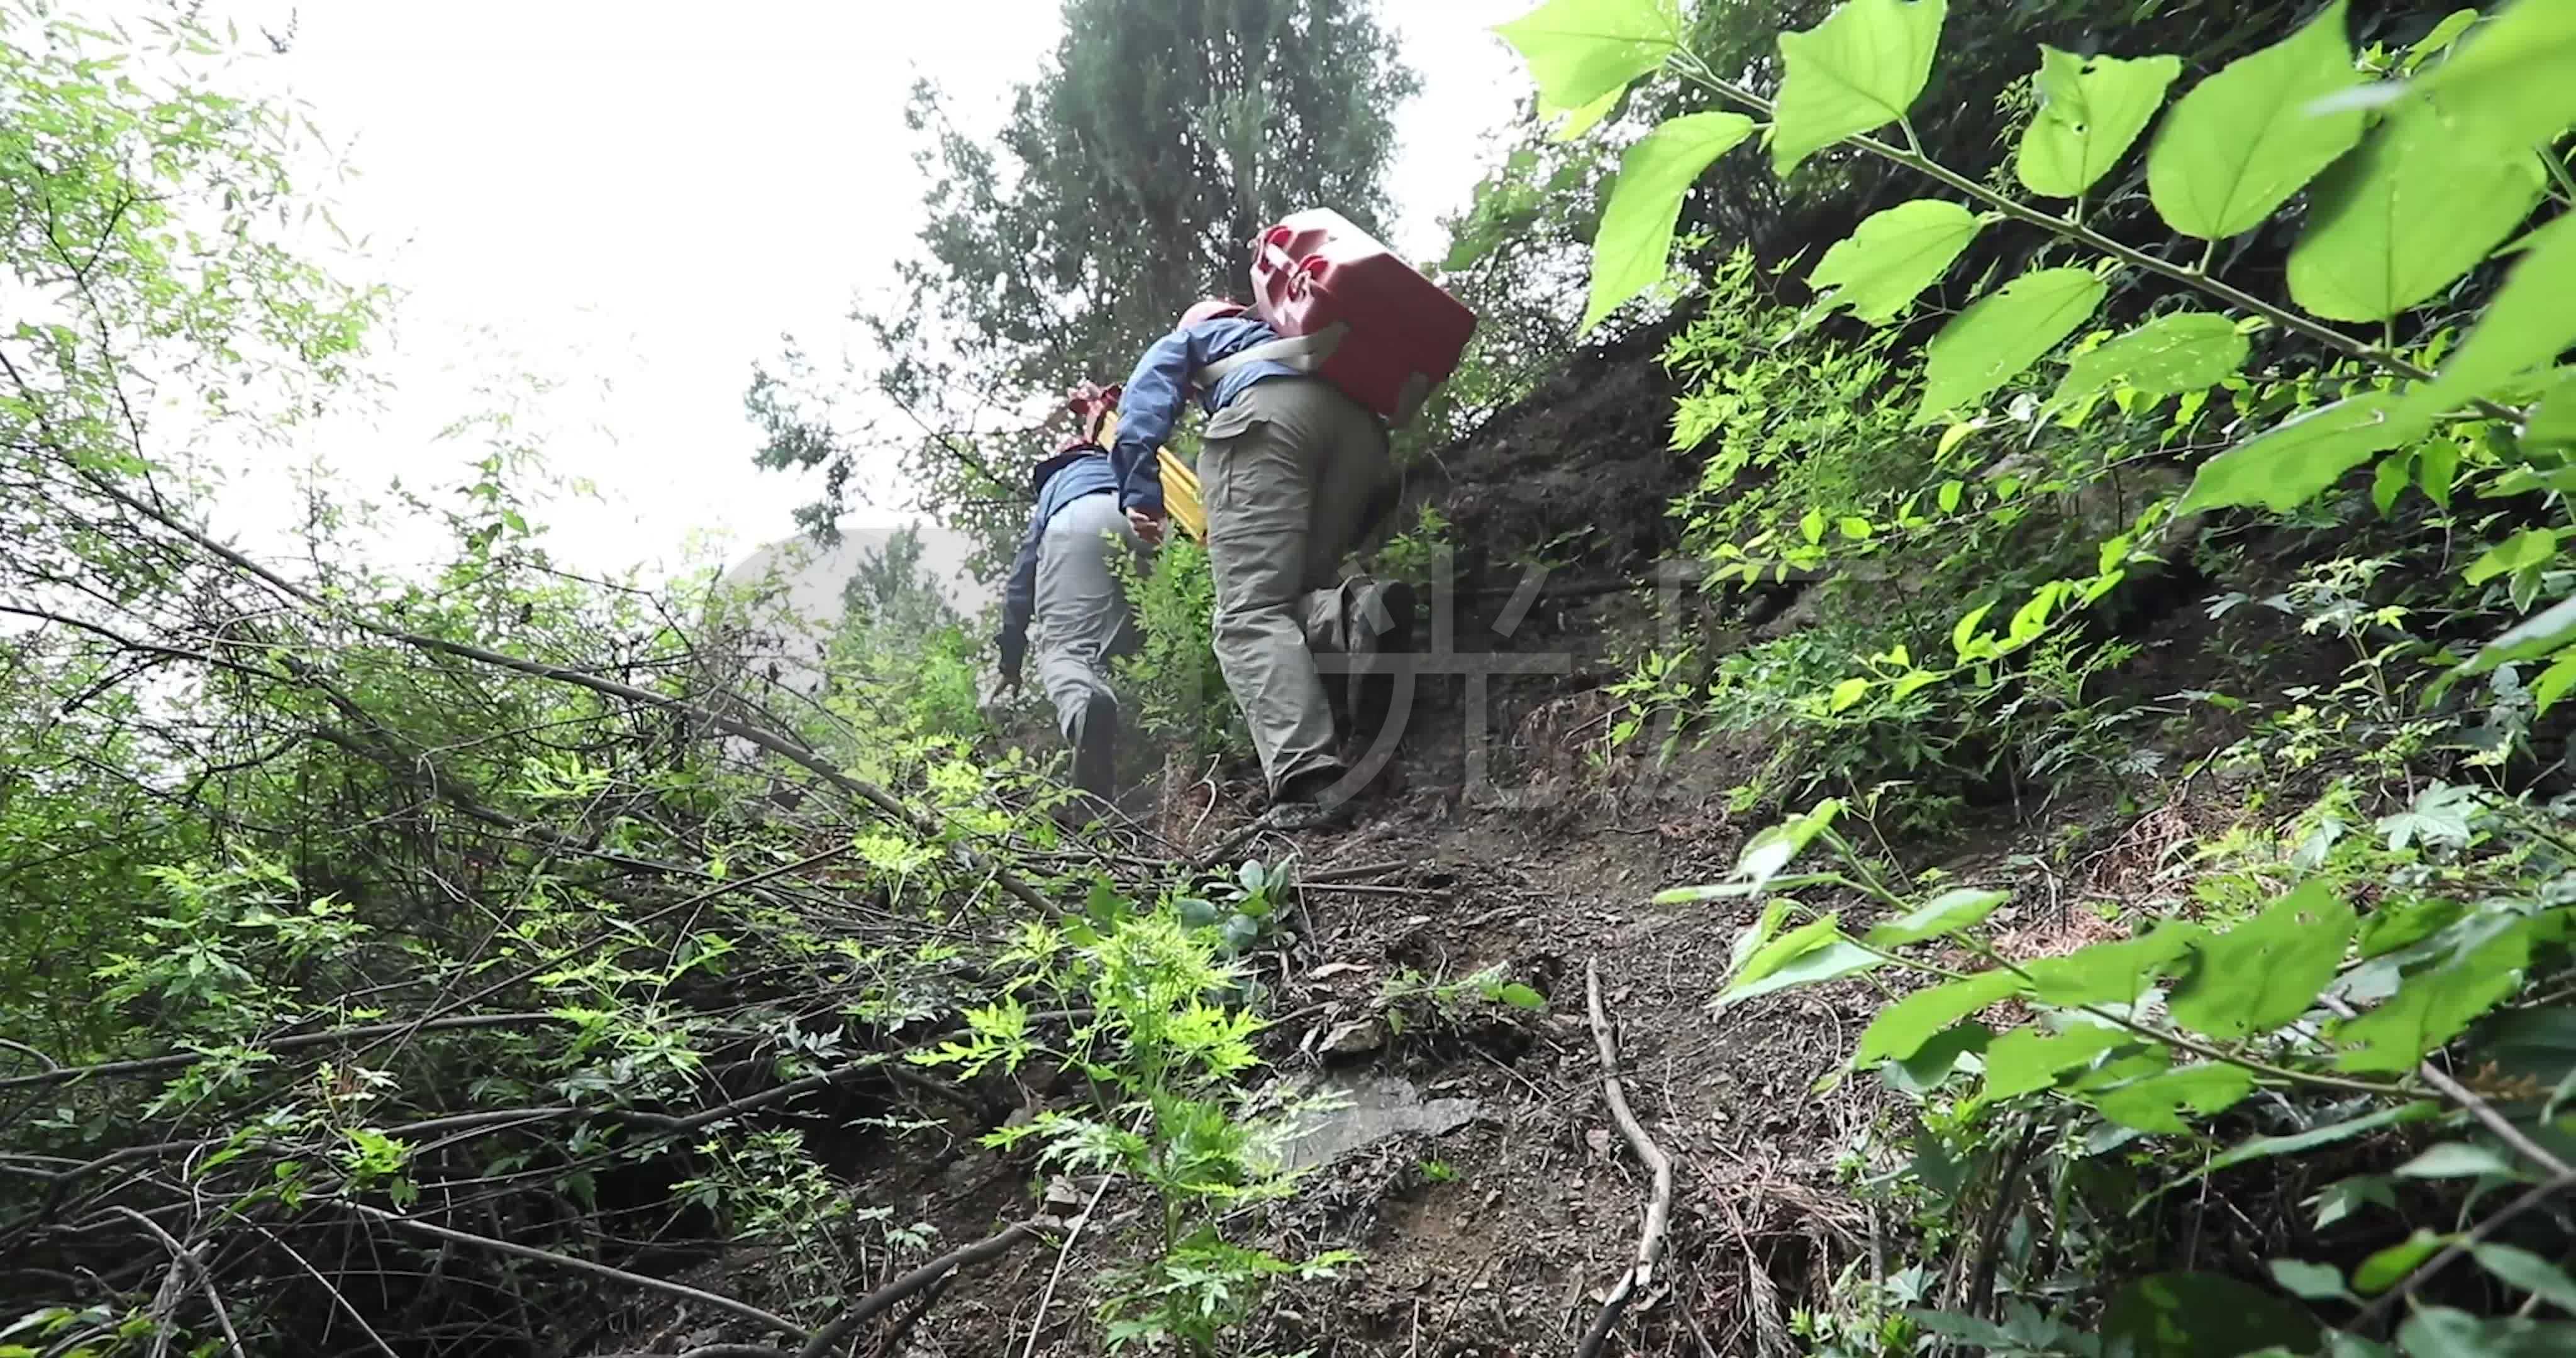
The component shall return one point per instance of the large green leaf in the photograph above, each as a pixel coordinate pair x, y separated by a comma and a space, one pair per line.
2090, 109
2543, 633
2167, 356
2154, 1103
1902, 1028
2005, 332
2434, 1005
1945, 914
1806, 938
1892, 258
1838, 958
1636, 237
1771, 848
2441, 1332
1858, 70
2244, 140
2528, 1271
1581, 52
2385, 1267
2112, 973
2265, 972
2514, 85
2395, 223
2292, 462
2026, 1059
2265, 1147
2202, 1315
2527, 325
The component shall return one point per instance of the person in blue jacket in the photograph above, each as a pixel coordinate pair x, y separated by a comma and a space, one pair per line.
1293, 474
1063, 581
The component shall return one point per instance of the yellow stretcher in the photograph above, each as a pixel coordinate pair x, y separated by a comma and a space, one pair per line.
1180, 484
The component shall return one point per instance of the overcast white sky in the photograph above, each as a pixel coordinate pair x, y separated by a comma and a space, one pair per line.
635, 199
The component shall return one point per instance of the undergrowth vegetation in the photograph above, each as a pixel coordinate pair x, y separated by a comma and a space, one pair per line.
2155, 524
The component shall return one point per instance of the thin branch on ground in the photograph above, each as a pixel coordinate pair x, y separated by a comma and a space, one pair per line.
993, 1246
743, 1309
1056, 1274
1650, 1237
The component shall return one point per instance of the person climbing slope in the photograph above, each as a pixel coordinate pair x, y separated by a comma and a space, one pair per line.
1063, 581
1292, 475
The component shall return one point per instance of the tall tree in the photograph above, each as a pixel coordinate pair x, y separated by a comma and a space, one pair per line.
1128, 181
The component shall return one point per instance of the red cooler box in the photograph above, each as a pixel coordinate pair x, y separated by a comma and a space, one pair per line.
1315, 270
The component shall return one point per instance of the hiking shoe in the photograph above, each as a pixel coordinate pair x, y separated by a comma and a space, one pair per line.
1308, 801
1095, 747
1381, 642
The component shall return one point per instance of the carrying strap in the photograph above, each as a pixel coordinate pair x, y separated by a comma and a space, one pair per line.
1302, 353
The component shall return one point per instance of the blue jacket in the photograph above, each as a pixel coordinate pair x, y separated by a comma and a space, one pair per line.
1151, 405
1061, 480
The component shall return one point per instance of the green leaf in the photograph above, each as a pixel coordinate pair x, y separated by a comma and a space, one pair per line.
2528, 324
2514, 85
2090, 109
2438, 41
2455, 1160
2264, 973
2553, 684
2292, 462
2235, 148
2434, 1005
1807, 937
1584, 51
1837, 958
1577, 121
1846, 693
2528, 1271
2027, 1059
1771, 849
2543, 633
2005, 332
2202, 1315
2436, 463
2441, 1332
2553, 418
1520, 996
2314, 1282
1903, 1027
1892, 258
1635, 241
2386, 1268
1936, 1061
2397, 222
2165, 357
1945, 914
2151, 1104
2112, 973
2530, 547
1858, 70
2265, 1147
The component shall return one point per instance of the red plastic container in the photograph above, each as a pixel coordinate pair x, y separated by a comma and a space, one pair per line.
1315, 269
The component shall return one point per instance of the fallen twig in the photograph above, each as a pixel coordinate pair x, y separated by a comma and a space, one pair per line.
828, 1338
1650, 1237
743, 1309
185, 1259
1056, 1275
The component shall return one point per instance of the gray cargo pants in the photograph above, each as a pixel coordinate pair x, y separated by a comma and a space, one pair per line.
1083, 619
1290, 473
